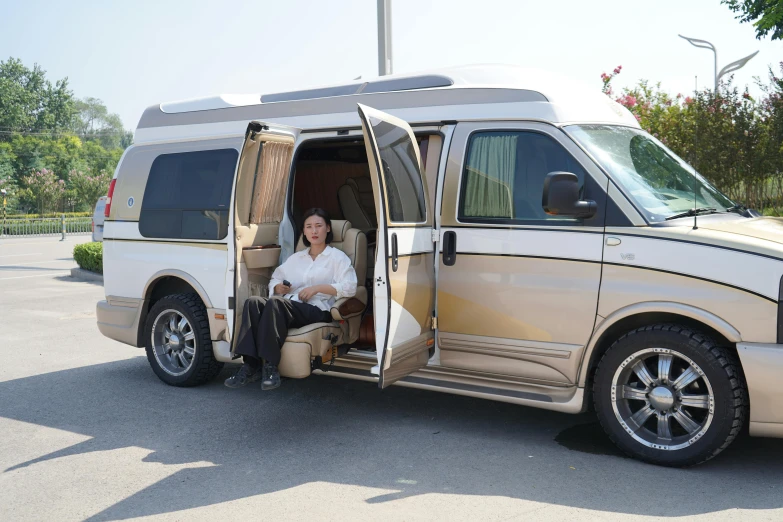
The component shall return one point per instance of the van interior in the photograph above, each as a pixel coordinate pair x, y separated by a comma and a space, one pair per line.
332, 174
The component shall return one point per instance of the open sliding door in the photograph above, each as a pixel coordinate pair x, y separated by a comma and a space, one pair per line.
404, 278
259, 202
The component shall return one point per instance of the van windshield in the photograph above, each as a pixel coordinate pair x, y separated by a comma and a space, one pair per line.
660, 184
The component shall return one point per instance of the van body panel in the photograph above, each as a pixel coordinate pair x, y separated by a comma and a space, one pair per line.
760, 275
119, 322
134, 171
752, 316
710, 233
516, 283
451, 98
471, 383
761, 363
651, 307
550, 363
130, 266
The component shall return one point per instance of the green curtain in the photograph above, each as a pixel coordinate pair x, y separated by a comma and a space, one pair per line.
490, 185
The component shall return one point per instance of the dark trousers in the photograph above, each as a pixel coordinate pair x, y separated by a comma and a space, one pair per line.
265, 325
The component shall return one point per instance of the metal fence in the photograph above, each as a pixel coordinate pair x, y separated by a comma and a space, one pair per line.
61, 226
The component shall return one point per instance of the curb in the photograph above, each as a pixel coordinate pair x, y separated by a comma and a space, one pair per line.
86, 275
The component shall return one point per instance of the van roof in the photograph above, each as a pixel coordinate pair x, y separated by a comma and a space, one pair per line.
467, 92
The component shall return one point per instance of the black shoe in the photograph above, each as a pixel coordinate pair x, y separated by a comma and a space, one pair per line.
245, 375
271, 377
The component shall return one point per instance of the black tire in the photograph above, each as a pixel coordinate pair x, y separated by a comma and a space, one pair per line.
204, 367
721, 373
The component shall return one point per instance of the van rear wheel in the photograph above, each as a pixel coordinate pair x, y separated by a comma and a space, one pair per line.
178, 344
670, 396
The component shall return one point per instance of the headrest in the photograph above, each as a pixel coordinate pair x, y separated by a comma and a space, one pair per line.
362, 184
339, 228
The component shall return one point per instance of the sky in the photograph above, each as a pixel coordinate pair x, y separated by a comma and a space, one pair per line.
135, 54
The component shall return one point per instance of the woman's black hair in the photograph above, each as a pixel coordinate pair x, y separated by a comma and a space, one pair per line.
322, 214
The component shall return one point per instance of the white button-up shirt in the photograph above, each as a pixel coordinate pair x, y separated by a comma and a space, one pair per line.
331, 267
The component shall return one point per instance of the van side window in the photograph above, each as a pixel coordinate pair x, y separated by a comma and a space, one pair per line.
401, 174
503, 180
188, 195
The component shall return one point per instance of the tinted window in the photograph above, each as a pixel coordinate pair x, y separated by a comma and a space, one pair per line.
400, 171
504, 176
188, 195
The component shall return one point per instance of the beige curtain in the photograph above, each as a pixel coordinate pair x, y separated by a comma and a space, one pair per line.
490, 185
271, 181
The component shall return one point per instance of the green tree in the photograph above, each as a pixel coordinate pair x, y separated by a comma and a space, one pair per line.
94, 121
766, 15
89, 187
30, 103
44, 189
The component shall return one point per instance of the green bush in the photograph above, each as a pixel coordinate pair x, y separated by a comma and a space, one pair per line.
50, 215
89, 256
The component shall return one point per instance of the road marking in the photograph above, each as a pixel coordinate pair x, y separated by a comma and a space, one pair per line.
22, 255
27, 277
36, 263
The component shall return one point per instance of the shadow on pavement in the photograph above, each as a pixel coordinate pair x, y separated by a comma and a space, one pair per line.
348, 432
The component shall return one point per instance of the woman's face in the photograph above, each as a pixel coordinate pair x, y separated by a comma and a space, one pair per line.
315, 230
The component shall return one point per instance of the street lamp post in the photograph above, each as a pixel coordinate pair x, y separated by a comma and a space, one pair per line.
733, 66
384, 38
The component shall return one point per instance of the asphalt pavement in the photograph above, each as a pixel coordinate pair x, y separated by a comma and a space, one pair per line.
87, 432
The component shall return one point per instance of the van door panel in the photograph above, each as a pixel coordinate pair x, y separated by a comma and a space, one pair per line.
243, 281
519, 300
404, 276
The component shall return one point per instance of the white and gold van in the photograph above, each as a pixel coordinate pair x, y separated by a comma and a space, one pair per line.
521, 239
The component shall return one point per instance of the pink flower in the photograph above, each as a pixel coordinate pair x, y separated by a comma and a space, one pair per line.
688, 100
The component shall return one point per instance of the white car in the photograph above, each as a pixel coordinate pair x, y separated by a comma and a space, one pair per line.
97, 219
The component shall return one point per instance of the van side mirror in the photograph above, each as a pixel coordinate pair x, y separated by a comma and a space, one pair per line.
561, 196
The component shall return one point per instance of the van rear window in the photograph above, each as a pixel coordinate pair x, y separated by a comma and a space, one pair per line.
188, 195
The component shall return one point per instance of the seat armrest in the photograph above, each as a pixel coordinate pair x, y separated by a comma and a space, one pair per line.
348, 307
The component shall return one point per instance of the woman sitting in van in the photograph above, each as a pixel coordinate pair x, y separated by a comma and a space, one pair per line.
302, 290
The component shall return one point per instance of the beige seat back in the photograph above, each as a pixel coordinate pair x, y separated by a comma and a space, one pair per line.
358, 203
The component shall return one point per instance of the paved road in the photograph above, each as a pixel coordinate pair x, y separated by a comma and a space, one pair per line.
88, 432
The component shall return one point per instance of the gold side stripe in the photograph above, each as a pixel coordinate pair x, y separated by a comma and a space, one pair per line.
210, 246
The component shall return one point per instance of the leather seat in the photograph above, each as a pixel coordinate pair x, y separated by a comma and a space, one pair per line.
358, 203
304, 344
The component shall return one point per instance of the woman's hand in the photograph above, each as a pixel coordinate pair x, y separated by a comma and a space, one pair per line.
281, 289
305, 294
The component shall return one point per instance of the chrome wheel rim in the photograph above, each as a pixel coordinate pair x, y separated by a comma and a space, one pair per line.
662, 399
173, 342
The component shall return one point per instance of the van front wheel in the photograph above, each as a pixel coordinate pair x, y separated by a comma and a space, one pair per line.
178, 343
671, 396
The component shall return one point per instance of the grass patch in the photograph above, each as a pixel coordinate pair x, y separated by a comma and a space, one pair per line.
89, 256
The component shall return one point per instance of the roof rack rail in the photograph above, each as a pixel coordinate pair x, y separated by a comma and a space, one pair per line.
428, 81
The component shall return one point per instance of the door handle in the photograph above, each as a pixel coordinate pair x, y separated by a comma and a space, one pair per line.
449, 248
395, 262
613, 241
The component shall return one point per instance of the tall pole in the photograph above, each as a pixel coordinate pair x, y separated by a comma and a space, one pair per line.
384, 38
